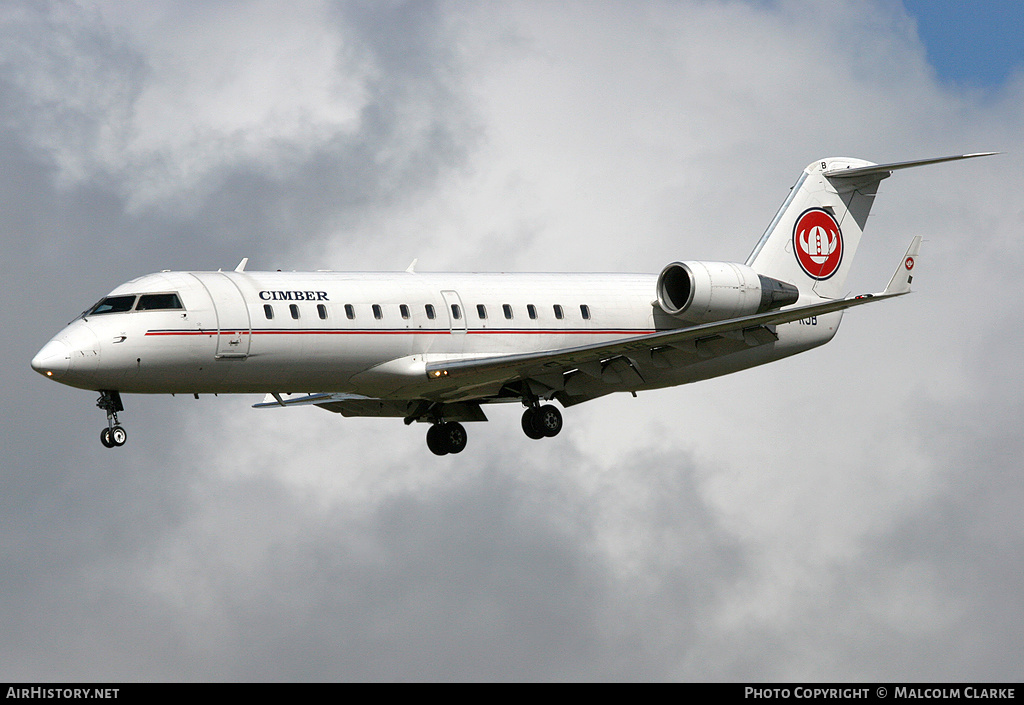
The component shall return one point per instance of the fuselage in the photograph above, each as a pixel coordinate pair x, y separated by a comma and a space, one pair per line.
370, 333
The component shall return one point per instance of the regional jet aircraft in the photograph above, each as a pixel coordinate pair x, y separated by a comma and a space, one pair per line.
437, 348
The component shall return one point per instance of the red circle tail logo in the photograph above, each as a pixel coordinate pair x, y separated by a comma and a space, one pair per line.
818, 243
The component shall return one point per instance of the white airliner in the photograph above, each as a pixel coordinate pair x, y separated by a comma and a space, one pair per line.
437, 347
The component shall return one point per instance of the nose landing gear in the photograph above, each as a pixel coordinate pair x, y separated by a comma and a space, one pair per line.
114, 435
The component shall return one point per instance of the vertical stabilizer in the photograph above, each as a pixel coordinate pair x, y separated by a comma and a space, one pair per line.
814, 236
812, 241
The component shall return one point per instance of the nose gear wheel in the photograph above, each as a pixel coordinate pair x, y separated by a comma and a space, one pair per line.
114, 435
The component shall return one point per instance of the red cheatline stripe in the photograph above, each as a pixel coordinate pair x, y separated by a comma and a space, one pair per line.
478, 331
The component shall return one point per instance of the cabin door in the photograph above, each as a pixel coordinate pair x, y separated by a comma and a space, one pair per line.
234, 327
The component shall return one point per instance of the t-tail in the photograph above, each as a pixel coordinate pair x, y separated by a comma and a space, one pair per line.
813, 238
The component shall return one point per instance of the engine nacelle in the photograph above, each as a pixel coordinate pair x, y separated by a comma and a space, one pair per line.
702, 292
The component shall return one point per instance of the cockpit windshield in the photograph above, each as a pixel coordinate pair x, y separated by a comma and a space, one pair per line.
112, 304
154, 302
146, 302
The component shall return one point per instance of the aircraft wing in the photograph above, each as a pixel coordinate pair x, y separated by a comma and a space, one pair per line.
753, 329
567, 358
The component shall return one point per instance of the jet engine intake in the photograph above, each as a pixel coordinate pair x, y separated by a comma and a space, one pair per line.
702, 292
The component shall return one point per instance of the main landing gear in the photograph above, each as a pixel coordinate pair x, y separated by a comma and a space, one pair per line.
446, 437
542, 421
114, 435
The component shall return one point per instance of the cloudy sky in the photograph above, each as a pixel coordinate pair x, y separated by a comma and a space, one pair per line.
851, 513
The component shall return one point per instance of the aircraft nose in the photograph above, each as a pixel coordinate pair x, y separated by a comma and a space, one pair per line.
53, 360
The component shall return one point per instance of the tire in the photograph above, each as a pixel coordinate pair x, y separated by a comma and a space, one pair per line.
529, 427
455, 437
105, 438
118, 436
548, 420
435, 440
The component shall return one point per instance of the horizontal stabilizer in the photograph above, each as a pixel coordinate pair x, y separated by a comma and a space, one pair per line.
849, 173
275, 399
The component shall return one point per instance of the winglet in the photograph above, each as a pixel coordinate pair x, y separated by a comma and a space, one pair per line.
241, 265
904, 274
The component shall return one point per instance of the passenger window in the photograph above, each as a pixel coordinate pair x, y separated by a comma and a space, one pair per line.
585, 312
378, 313
321, 311
350, 311
532, 311
429, 308
404, 310
481, 312
153, 302
456, 312
558, 312
268, 311
507, 310
294, 308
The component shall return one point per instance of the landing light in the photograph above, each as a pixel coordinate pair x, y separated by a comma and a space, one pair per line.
49, 373
439, 373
